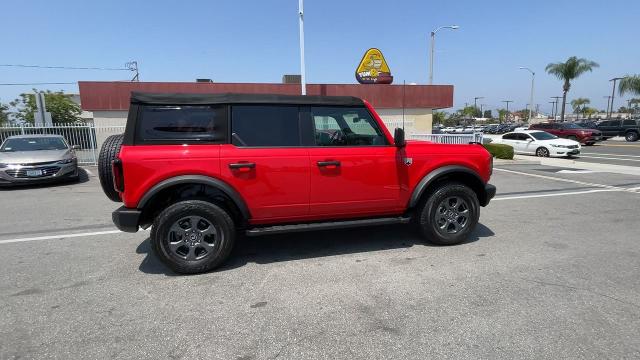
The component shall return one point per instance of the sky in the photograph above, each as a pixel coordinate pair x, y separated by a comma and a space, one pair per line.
257, 41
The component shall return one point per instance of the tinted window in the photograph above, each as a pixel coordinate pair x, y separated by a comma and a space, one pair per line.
509, 137
265, 125
522, 137
605, 123
542, 126
345, 126
571, 126
543, 136
614, 123
629, 122
182, 124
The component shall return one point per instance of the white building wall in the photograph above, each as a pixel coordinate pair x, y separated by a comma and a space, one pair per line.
417, 120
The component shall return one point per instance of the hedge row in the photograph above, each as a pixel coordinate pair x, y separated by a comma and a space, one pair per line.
500, 151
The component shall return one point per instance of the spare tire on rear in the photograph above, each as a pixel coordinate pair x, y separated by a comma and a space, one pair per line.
109, 152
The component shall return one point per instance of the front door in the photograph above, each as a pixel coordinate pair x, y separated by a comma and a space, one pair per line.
354, 170
266, 163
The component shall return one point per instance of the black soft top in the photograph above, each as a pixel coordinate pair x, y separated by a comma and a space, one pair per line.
232, 98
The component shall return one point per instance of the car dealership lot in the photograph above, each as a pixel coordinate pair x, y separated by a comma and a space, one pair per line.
551, 272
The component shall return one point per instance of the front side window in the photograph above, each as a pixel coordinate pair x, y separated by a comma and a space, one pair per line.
346, 126
182, 124
34, 144
629, 123
265, 125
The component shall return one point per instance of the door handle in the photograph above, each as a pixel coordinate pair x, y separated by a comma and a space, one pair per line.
244, 165
328, 163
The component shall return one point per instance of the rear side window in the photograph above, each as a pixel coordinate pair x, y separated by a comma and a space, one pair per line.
182, 124
509, 136
265, 125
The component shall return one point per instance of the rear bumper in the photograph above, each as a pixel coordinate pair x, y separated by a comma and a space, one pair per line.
126, 219
489, 193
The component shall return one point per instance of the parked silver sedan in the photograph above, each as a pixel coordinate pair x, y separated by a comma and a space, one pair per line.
26, 159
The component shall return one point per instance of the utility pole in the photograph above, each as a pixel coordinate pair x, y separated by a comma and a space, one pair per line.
507, 101
629, 107
553, 107
613, 94
475, 103
482, 110
557, 98
133, 66
303, 81
608, 97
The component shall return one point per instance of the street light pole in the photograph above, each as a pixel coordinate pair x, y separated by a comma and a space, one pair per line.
608, 97
613, 94
533, 77
303, 82
553, 107
433, 40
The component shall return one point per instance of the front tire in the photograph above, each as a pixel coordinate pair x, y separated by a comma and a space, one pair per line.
193, 236
449, 215
542, 152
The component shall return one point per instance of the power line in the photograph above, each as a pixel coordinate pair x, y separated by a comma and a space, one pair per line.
65, 67
44, 83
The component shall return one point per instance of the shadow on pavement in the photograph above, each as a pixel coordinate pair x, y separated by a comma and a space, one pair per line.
307, 245
83, 177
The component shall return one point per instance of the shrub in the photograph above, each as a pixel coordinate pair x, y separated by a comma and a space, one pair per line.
500, 151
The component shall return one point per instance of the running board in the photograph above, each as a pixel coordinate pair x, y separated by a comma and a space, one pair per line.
280, 229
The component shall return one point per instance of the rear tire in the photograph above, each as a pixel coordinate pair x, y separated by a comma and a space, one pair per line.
449, 215
109, 152
193, 236
631, 136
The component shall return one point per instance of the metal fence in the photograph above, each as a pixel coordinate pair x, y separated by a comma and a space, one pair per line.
448, 138
88, 137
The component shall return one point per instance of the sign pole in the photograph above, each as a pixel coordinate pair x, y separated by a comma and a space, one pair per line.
303, 82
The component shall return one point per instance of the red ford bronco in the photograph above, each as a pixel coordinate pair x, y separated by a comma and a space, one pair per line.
200, 168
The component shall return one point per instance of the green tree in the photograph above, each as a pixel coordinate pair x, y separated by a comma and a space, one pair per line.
502, 115
439, 117
63, 110
579, 105
568, 71
630, 84
589, 111
4, 114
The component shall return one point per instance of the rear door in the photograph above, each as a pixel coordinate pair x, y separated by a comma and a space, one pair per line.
266, 162
353, 166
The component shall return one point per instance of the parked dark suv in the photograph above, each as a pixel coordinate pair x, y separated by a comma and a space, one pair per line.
198, 168
570, 131
630, 129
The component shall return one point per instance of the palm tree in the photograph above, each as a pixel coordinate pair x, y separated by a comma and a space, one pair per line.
579, 105
567, 71
630, 84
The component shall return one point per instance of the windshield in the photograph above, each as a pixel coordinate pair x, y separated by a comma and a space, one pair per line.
34, 144
543, 136
572, 126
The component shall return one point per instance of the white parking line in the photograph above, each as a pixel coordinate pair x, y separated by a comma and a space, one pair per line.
551, 195
62, 236
601, 154
607, 158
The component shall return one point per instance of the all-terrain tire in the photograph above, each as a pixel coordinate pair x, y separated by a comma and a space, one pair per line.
430, 214
631, 136
173, 250
109, 152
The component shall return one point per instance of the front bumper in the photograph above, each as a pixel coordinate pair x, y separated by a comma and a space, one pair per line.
126, 219
489, 193
16, 175
563, 152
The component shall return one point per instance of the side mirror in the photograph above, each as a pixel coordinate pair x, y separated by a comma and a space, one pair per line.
398, 138
75, 147
529, 140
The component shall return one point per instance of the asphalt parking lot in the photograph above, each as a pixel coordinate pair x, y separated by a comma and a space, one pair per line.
552, 271
612, 152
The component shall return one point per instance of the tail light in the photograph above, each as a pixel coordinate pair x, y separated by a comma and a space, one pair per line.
118, 178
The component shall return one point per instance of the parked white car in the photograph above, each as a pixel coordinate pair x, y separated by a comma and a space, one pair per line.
539, 143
